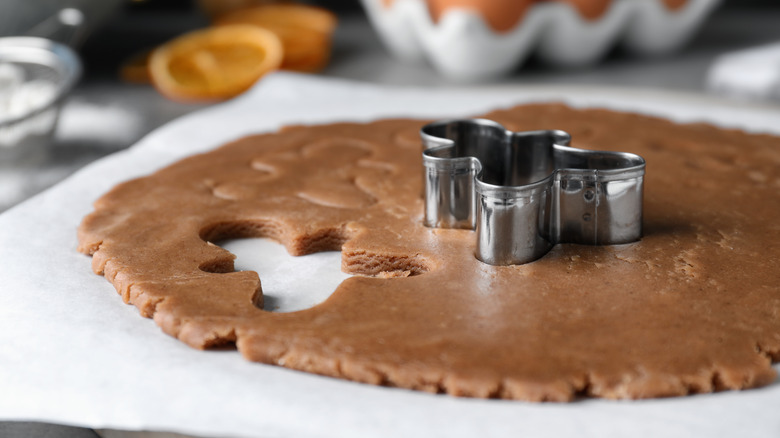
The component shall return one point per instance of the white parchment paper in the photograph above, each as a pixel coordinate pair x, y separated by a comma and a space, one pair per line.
71, 352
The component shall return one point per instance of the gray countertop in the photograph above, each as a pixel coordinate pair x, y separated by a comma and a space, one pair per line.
104, 115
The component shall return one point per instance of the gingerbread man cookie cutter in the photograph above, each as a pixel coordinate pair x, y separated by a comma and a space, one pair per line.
526, 191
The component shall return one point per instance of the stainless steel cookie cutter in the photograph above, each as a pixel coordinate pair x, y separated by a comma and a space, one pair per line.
526, 191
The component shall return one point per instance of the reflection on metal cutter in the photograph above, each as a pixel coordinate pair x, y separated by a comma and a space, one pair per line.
524, 192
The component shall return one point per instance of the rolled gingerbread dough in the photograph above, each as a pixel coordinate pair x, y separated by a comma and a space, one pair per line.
692, 307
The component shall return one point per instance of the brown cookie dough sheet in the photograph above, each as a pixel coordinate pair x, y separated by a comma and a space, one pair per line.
693, 307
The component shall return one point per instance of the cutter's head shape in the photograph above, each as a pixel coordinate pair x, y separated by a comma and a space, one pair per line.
527, 191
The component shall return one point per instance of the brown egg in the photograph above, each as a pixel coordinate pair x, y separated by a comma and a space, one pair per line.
674, 4
589, 9
501, 15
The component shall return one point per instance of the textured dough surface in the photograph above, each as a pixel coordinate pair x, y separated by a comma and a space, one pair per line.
693, 307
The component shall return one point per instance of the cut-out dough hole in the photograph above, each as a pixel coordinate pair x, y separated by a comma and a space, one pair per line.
289, 283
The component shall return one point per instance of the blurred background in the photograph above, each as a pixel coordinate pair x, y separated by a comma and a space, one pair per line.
113, 104
729, 50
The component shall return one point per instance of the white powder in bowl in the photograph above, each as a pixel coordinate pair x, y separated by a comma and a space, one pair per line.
20, 97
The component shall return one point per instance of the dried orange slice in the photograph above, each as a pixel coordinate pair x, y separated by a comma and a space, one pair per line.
284, 15
305, 31
216, 63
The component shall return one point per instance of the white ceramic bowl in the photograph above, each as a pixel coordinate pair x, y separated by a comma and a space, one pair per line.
462, 46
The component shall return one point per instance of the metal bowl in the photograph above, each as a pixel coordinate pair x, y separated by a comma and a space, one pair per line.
19, 17
42, 63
